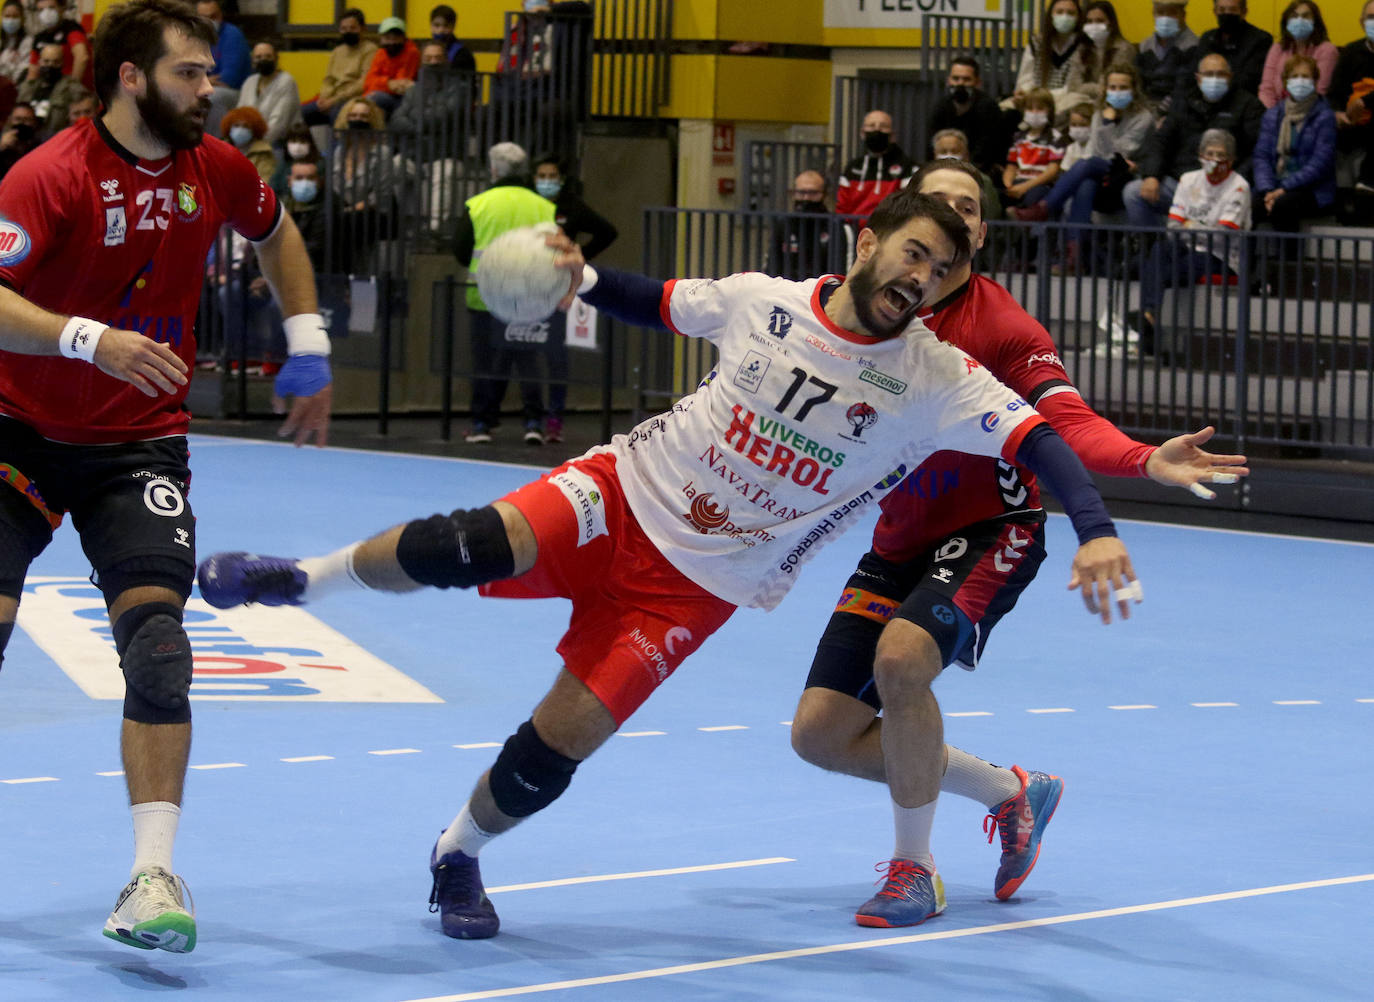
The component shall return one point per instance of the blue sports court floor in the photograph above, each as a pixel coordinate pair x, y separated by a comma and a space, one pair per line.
1213, 841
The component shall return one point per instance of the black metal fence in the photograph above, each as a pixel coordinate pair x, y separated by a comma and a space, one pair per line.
770, 167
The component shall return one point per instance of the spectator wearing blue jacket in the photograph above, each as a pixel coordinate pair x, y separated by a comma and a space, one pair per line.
1295, 158
233, 63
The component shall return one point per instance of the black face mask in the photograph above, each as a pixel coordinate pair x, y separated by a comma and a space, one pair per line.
358, 123
350, 37
50, 74
445, 36
1230, 23
265, 67
877, 142
23, 131
961, 94
432, 76
394, 49
808, 206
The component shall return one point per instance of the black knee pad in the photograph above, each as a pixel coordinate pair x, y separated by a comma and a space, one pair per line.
458, 550
155, 655
529, 775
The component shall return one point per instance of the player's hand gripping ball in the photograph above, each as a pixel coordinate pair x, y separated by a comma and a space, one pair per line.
517, 278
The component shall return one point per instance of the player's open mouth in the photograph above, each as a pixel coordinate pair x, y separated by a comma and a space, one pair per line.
897, 299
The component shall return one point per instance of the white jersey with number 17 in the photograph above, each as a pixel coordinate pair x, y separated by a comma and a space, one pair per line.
801, 426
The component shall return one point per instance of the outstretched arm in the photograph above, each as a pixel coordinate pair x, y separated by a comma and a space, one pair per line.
1181, 463
634, 299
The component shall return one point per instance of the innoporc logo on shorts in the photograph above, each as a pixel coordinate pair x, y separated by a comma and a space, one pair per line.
246, 654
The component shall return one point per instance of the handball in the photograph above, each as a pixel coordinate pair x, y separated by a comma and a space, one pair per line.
517, 279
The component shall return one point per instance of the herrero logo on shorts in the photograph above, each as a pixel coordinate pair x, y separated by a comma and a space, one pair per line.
585, 499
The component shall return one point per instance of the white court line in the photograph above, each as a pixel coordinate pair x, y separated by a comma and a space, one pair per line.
1364, 700
641, 734
970, 713
788, 723
1213, 704
705, 868
1297, 702
220, 765
725, 727
30, 779
481, 744
1134, 706
112, 772
871, 944
395, 751
310, 758
1054, 709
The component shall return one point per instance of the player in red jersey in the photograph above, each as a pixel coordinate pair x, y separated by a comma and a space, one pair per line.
955, 544
104, 231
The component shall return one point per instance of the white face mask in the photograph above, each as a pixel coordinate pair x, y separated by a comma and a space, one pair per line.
48, 17
1036, 119
1080, 133
1097, 31
1064, 23
297, 151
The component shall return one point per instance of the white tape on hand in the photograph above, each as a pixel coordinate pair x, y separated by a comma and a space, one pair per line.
1224, 478
1131, 591
306, 335
80, 337
1197, 490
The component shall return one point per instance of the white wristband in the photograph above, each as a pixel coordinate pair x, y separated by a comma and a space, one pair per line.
305, 335
79, 338
589, 277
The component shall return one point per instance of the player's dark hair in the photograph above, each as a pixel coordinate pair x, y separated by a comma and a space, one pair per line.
968, 61
958, 166
133, 33
357, 15
449, 15
906, 204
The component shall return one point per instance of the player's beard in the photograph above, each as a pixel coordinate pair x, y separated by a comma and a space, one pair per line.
863, 289
178, 129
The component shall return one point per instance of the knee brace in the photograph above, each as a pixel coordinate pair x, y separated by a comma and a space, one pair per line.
529, 775
458, 550
155, 655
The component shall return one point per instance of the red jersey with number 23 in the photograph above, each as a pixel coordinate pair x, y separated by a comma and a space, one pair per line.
86, 228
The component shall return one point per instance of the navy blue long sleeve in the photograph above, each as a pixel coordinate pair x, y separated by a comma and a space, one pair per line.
633, 299
1049, 457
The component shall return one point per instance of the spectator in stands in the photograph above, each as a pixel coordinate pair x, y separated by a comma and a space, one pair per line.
443, 21
1170, 150
1352, 99
305, 202
594, 233
951, 144
1078, 131
247, 130
82, 106
233, 62
436, 96
1214, 197
16, 44
1295, 158
273, 92
393, 68
1119, 126
19, 136
1050, 62
508, 204
1036, 152
967, 107
1303, 34
368, 180
50, 93
1165, 59
1244, 45
871, 176
76, 47
1104, 48
343, 77
799, 244
297, 145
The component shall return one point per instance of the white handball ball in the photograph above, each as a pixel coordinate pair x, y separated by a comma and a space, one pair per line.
517, 278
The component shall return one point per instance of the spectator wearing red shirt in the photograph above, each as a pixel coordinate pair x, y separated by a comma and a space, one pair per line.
53, 29
880, 170
394, 67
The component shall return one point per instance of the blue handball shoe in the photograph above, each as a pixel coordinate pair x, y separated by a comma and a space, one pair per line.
1021, 820
465, 911
230, 579
910, 895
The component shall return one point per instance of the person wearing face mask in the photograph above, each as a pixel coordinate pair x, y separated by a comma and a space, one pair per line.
1212, 197
233, 61
1104, 48
799, 243
16, 44
343, 76
872, 175
297, 145
394, 67
246, 129
1302, 33
1170, 150
1295, 158
76, 47
1352, 99
1051, 60
967, 107
1244, 45
1165, 58
443, 21
435, 98
20, 136
273, 92
1035, 155
50, 93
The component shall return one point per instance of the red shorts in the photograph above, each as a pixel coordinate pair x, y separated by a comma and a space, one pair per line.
635, 617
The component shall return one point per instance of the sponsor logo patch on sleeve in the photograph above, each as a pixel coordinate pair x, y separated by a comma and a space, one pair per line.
585, 499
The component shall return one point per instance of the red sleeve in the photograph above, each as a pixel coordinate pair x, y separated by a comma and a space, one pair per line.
34, 205
249, 205
1102, 447
376, 73
847, 199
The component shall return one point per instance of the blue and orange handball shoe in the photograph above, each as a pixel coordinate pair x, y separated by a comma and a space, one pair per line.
230, 579
465, 911
910, 895
1021, 821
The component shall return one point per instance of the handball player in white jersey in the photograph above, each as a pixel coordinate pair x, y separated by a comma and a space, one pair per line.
825, 394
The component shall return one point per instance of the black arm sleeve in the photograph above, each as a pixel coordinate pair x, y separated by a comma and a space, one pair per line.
1049, 457
633, 299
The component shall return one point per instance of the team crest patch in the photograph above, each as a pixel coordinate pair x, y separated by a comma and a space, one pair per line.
585, 499
186, 200
14, 243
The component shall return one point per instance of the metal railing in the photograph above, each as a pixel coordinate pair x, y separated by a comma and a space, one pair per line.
630, 57
771, 165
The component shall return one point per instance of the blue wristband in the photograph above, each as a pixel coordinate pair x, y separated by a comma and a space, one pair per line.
303, 376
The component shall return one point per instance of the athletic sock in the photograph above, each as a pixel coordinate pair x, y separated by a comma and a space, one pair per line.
464, 834
969, 776
332, 572
155, 830
913, 825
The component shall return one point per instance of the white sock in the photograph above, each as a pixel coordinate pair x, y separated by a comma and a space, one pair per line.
155, 829
331, 573
969, 776
464, 834
913, 825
